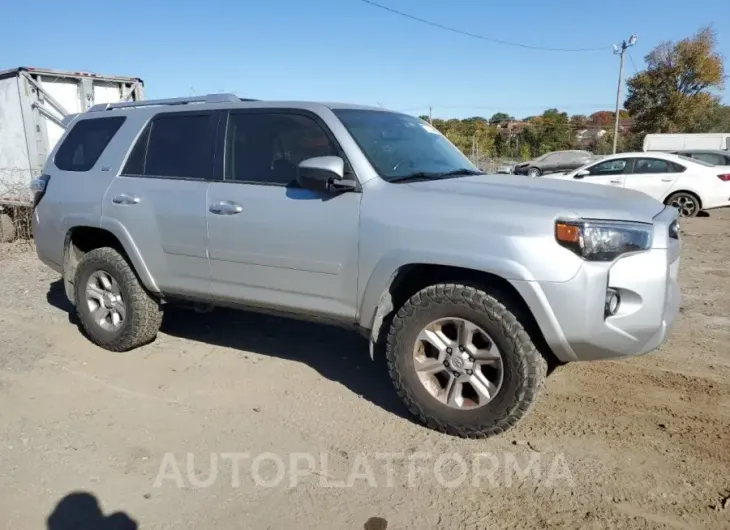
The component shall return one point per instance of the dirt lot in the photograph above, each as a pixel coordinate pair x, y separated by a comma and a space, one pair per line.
643, 443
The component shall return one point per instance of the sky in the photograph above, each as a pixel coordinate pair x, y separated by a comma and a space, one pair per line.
348, 50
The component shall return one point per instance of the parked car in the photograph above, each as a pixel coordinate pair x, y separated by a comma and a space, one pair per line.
688, 184
506, 168
554, 162
470, 284
714, 157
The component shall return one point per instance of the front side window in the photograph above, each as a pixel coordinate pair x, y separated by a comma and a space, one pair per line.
609, 167
398, 145
85, 142
266, 148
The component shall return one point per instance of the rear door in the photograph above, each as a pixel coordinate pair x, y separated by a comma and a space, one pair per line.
653, 176
159, 199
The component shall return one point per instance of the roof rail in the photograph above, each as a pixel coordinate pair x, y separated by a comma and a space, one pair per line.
208, 98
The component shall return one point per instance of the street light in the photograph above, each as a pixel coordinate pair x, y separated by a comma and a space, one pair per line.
620, 52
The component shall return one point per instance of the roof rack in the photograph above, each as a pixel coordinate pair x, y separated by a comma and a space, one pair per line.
208, 98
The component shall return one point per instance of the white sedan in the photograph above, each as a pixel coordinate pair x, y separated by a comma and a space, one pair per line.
689, 185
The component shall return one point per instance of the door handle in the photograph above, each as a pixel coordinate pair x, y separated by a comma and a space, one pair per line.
615, 182
125, 199
225, 208
667, 179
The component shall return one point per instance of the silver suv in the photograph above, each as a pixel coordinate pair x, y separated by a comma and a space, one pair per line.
471, 284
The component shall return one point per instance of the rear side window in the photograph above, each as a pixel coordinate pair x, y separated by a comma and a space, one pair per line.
176, 145
85, 143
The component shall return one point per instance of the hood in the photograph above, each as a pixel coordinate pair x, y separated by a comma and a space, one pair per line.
590, 201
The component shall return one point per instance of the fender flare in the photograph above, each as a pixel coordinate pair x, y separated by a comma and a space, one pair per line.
116, 229
135, 256
377, 302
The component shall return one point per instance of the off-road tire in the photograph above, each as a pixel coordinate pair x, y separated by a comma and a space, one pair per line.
525, 369
7, 228
143, 312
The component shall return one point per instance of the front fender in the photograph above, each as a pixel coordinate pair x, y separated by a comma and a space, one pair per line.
386, 269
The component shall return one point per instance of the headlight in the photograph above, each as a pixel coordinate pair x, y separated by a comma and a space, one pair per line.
603, 240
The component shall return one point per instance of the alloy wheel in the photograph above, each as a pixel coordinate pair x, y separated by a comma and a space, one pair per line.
458, 363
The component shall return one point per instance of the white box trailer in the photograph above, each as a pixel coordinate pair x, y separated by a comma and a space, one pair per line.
35, 106
679, 142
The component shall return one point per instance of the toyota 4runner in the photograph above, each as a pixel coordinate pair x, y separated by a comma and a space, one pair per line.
471, 284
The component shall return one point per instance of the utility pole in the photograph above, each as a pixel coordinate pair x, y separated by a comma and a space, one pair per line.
430, 114
620, 52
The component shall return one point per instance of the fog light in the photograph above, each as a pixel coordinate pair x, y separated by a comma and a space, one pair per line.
613, 301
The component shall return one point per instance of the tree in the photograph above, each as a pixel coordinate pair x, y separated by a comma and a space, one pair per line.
578, 122
674, 93
499, 117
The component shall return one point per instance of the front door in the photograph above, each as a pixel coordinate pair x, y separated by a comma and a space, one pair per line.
160, 200
271, 243
609, 172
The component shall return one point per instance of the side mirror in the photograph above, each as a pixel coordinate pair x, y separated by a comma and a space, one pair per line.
581, 174
323, 173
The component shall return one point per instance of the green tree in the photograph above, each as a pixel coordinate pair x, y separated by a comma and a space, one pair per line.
674, 93
499, 117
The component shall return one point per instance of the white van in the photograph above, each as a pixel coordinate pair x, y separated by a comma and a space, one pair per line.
679, 142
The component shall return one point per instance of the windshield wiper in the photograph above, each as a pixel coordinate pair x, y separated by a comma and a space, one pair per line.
427, 175
463, 171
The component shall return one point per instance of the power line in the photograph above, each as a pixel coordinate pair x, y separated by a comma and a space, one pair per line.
632, 62
477, 36
506, 108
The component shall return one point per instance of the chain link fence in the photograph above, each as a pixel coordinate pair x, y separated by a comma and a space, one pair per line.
492, 165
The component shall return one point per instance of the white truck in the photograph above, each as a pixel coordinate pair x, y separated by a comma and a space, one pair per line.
680, 142
35, 106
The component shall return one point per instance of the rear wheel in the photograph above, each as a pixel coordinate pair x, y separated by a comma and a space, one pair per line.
687, 204
114, 309
462, 362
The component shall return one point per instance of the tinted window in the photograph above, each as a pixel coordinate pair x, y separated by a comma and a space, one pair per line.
710, 158
609, 167
652, 165
267, 147
179, 145
85, 143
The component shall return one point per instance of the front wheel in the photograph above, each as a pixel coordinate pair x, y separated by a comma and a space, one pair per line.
533, 172
462, 362
687, 204
114, 309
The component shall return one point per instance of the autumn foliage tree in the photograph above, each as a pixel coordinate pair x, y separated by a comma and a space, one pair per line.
675, 92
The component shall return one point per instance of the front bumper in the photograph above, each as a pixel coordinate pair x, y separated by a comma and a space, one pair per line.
571, 314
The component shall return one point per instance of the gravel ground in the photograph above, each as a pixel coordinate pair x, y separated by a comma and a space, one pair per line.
233, 420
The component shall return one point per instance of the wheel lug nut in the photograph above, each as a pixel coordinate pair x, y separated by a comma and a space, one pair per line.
446, 363
448, 350
471, 359
461, 348
469, 372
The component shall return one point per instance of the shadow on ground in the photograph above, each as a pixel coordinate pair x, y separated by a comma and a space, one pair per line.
81, 511
339, 355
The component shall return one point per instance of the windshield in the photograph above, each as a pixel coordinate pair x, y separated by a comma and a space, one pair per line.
398, 145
